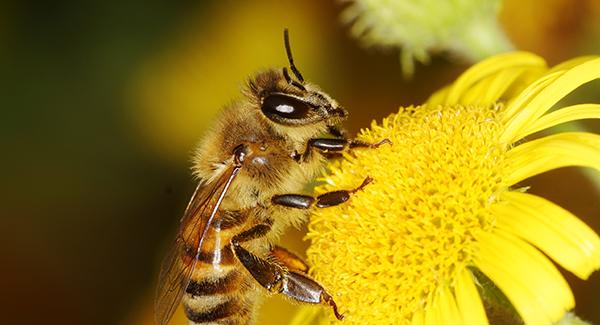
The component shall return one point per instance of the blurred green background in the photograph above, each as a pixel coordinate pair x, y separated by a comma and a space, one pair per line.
102, 103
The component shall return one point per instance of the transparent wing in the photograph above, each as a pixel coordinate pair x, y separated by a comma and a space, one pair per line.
178, 266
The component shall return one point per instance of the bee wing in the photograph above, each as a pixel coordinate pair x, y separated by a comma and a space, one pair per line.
177, 268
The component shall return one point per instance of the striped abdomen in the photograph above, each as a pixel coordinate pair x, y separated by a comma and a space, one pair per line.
221, 291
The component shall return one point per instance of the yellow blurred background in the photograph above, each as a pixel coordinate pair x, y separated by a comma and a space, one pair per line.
103, 102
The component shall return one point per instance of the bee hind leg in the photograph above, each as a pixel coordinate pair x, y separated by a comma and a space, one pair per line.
298, 285
275, 277
265, 272
288, 259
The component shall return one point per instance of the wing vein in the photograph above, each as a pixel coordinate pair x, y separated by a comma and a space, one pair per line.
178, 266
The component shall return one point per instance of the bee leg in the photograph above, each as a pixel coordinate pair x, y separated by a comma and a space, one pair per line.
288, 259
325, 200
300, 287
275, 278
266, 273
334, 146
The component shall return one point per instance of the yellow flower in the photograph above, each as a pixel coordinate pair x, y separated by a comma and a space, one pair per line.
445, 204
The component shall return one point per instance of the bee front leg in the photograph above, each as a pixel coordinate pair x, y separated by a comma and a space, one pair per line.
274, 277
332, 147
325, 200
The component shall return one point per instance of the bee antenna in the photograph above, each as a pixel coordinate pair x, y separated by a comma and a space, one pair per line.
288, 50
289, 80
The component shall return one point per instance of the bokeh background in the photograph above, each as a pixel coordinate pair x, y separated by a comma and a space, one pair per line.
102, 103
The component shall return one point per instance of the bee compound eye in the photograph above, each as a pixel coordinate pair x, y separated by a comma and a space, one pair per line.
282, 106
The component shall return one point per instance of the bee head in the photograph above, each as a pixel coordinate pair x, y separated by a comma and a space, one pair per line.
310, 107
294, 102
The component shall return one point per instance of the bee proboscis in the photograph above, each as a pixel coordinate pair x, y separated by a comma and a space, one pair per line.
259, 149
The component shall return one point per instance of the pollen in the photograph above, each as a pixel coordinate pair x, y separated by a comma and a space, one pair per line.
386, 252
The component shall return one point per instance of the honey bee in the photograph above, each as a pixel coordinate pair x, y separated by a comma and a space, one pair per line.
258, 150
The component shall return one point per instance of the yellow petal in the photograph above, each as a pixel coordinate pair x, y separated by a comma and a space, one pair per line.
473, 94
518, 103
306, 315
551, 152
323, 320
439, 97
488, 68
550, 95
492, 88
468, 300
418, 318
572, 63
563, 115
433, 313
555, 231
528, 279
500, 84
448, 309
487, 90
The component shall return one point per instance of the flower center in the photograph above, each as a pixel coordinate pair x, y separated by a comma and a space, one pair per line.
384, 253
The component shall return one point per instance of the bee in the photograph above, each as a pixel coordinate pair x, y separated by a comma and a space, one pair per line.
258, 150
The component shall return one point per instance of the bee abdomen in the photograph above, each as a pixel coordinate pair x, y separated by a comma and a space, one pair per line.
226, 284
231, 311
225, 299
